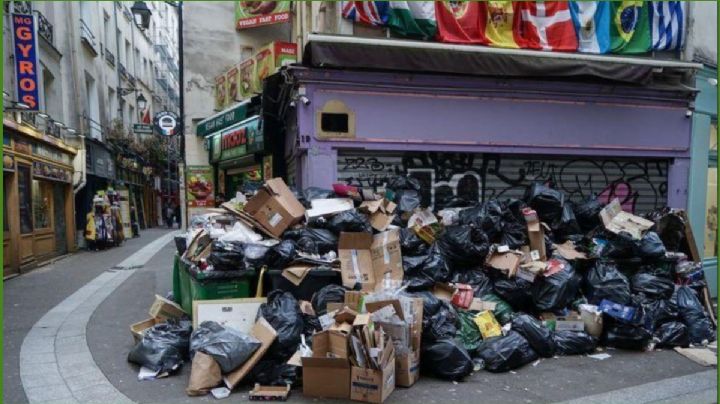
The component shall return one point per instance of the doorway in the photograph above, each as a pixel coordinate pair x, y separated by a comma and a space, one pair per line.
60, 224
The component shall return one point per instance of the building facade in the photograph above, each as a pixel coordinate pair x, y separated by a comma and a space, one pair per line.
95, 68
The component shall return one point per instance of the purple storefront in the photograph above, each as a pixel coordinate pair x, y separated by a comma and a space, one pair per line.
463, 135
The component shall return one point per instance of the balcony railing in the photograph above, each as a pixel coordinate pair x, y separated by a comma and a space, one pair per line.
87, 37
45, 29
109, 57
131, 79
123, 71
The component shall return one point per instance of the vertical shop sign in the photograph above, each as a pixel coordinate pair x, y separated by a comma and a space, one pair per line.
26, 63
200, 186
250, 14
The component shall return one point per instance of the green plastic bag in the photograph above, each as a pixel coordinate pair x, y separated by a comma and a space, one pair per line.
503, 312
468, 334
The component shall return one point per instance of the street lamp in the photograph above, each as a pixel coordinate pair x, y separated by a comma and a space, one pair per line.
142, 13
141, 102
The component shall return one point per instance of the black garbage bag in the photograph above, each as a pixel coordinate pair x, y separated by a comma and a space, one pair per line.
163, 347
547, 202
626, 336
281, 255
273, 372
255, 256
558, 290
417, 283
587, 214
539, 337
476, 278
566, 226
463, 246
516, 291
408, 200
604, 281
349, 221
657, 312
671, 229
502, 354
311, 325
230, 348
468, 333
654, 287
283, 313
513, 235
650, 246
457, 202
503, 311
312, 241
180, 244
328, 294
620, 245
311, 193
693, 316
431, 266
574, 342
411, 244
442, 324
671, 334
227, 256
446, 359
400, 182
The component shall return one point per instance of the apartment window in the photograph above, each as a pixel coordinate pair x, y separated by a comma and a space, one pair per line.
109, 40
121, 109
87, 11
711, 205
145, 70
42, 204
92, 109
128, 55
131, 115
136, 60
112, 106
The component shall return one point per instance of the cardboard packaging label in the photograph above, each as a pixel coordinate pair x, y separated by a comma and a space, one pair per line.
488, 325
275, 207
570, 322
386, 257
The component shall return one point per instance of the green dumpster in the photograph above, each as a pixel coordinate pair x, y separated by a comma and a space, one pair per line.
197, 285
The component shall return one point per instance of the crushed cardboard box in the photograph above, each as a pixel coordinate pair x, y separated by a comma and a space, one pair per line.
324, 374
275, 207
618, 221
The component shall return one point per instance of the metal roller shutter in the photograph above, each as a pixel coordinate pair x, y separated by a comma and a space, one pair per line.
640, 184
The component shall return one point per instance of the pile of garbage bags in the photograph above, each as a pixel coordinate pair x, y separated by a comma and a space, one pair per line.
564, 285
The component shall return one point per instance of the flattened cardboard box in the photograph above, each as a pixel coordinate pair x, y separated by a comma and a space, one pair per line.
275, 207
324, 376
356, 264
386, 257
616, 220
263, 331
163, 309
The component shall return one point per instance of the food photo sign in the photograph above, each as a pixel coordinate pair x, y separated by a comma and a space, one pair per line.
200, 187
250, 14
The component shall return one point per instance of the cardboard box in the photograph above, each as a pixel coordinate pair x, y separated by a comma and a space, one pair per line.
373, 385
263, 331
407, 369
487, 324
507, 262
616, 220
275, 207
482, 305
355, 300
617, 310
269, 393
386, 257
444, 291
570, 322
138, 329
536, 234
356, 263
463, 296
163, 309
295, 274
323, 376
567, 250
381, 213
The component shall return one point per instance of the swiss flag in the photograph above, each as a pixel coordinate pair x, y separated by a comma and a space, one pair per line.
545, 25
461, 22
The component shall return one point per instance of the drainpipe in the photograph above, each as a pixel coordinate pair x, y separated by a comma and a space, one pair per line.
81, 156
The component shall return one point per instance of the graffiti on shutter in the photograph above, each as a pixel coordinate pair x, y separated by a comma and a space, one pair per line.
639, 184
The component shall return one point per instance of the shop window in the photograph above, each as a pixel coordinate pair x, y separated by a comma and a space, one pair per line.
711, 206
6, 224
25, 199
41, 204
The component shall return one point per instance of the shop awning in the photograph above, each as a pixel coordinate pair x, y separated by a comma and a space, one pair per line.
338, 51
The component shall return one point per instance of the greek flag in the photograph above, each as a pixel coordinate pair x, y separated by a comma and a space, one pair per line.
667, 24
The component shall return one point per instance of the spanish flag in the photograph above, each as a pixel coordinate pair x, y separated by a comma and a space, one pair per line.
476, 22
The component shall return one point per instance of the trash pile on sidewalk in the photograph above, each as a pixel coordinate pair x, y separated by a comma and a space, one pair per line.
367, 288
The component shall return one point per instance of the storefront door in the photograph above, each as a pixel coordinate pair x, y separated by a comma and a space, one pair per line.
60, 225
9, 267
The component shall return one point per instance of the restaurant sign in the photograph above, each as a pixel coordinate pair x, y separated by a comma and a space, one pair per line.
239, 140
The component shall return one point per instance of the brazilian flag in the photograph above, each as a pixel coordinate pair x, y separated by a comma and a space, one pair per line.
629, 27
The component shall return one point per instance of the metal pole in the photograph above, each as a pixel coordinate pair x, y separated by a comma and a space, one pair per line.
181, 87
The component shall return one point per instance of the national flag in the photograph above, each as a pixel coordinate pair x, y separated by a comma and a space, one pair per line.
461, 22
500, 23
366, 12
146, 116
667, 24
592, 25
414, 19
545, 25
629, 27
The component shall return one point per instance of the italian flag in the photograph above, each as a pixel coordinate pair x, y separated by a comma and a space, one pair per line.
413, 19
